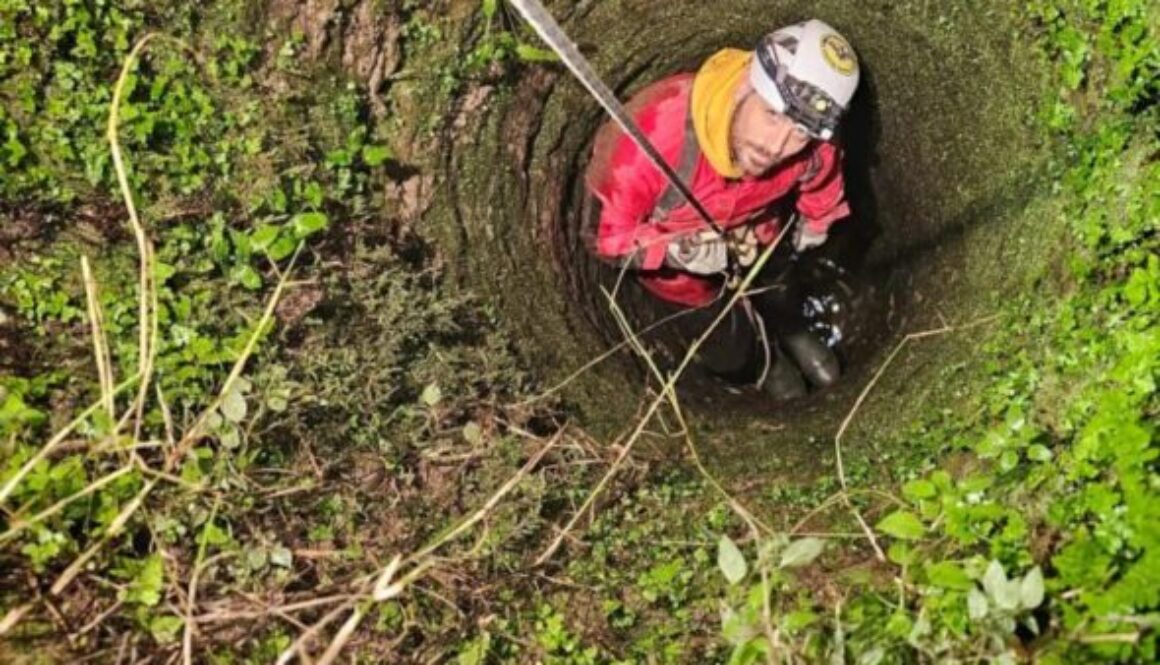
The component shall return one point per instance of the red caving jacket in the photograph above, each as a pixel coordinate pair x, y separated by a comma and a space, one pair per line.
629, 186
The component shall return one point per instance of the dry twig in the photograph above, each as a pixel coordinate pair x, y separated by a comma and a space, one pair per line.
100, 342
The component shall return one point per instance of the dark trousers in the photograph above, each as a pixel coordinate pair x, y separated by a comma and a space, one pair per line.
734, 350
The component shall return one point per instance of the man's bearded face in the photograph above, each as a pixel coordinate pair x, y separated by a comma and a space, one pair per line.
761, 138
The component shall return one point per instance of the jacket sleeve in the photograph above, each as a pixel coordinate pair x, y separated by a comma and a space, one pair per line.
822, 197
628, 192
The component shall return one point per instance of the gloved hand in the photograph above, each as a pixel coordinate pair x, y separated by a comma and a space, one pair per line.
702, 253
804, 238
743, 241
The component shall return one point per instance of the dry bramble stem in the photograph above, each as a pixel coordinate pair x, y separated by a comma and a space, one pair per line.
100, 342
754, 524
144, 247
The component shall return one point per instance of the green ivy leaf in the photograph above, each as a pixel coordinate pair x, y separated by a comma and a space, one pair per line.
284, 246
145, 587
306, 224
14, 413
475, 652
241, 243
1005, 593
432, 395
162, 272
899, 625
734, 628
994, 578
281, 557
375, 155
48, 545
901, 553
165, 628
219, 247
798, 620
1039, 453
948, 575
234, 405
801, 552
489, 7
1031, 589
102, 423
338, 158
916, 490
212, 534
751, 652
245, 275
313, 194
473, 434
902, 524
278, 399
730, 560
229, 436
264, 236
977, 605
1008, 460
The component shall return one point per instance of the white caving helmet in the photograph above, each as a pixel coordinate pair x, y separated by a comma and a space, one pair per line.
809, 72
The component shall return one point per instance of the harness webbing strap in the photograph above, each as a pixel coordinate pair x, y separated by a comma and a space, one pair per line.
671, 199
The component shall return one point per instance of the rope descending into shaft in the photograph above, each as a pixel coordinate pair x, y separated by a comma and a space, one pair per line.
551, 32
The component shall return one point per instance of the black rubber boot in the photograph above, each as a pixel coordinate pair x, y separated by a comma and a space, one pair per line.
784, 382
780, 306
817, 362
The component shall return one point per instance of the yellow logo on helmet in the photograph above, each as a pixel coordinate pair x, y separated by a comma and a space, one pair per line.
838, 54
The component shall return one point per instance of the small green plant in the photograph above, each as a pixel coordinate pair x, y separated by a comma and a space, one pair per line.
501, 42
559, 645
760, 610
